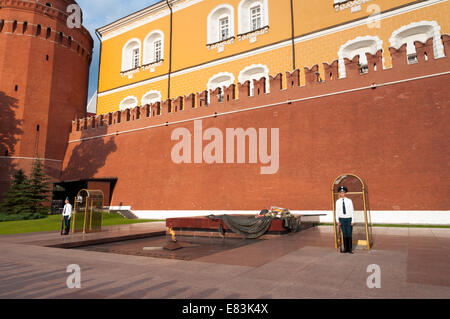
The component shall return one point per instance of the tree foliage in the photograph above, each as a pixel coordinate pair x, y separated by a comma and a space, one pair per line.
18, 199
39, 187
27, 196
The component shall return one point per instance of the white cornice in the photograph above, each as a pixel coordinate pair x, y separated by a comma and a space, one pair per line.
143, 17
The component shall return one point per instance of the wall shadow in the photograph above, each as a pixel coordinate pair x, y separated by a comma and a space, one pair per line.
10, 132
86, 158
89, 156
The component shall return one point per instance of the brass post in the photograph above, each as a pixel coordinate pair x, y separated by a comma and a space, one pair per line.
334, 218
365, 217
90, 219
101, 211
74, 215
85, 213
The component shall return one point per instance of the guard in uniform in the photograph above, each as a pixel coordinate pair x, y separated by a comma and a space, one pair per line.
66, 215
344, 218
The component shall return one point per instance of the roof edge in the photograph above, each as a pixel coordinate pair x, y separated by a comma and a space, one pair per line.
133, 17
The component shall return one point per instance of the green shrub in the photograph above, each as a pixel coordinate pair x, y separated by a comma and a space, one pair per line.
27, 197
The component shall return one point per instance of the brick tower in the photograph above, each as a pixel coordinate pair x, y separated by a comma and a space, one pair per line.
44, 70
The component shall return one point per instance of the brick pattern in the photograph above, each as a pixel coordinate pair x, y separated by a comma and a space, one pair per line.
43, 83
390, 135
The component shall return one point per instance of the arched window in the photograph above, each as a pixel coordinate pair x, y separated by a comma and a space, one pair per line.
151, 97
131, 55
418, 31
219, 81
253, 15
128, 103
358, 46
220, 24
154, 47
254, 72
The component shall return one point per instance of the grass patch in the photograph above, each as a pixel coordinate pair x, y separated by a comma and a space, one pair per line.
398, 225
53, 223
16, 217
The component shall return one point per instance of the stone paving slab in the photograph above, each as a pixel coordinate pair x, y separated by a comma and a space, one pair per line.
414, 264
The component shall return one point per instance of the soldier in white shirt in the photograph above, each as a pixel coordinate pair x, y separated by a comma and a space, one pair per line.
344, 218
66, 215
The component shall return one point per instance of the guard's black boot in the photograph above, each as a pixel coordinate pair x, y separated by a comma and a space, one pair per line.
345, 245
349, 245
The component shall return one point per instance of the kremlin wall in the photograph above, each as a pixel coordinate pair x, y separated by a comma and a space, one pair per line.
387, 126
268, 139
43, 84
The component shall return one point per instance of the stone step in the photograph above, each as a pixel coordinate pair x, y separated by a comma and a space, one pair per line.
125, 213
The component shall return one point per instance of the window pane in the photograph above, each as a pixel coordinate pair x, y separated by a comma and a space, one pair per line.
255, 17
224, 28
135, 58
157, 51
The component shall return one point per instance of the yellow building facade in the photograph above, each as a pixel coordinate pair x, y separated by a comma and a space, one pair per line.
178, 47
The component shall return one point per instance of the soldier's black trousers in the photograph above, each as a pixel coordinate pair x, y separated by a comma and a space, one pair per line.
346, 227
67, 224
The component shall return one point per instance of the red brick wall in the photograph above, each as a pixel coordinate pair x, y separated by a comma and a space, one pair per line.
43, 81
394, 136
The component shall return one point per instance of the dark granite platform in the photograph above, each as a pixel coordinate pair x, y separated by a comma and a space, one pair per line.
204, 226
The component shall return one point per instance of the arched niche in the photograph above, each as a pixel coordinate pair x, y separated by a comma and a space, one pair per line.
151, 97
357, 192
128, 103
358, 47
418, 31
254, 72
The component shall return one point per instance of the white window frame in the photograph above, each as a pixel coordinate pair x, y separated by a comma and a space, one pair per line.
124, 105
128, 61
255, 18
223, 27
213, 23
136, 58
358, 46
219, 80
157, 50
156, 97
150, 54
263, 72
418, 31
245, 15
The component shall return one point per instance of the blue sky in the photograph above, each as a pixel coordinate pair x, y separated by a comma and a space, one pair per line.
97, 13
